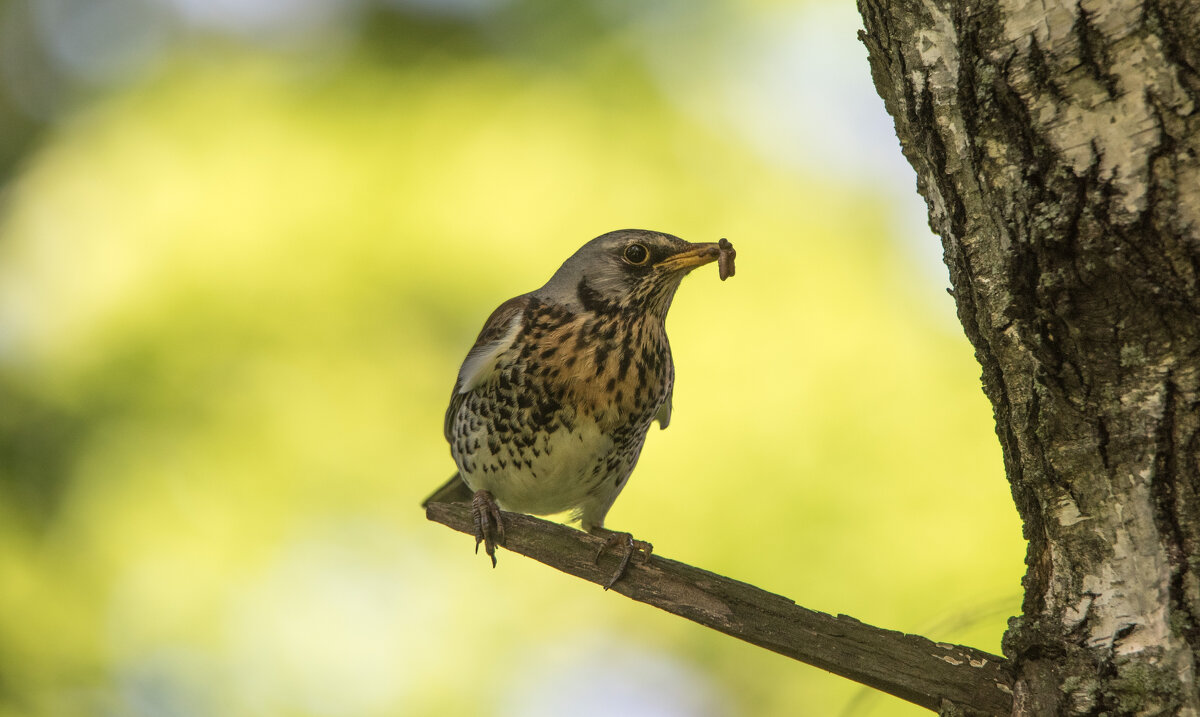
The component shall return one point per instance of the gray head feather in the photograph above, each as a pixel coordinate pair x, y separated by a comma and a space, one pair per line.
600, 275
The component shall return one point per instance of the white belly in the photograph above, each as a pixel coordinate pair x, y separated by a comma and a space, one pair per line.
559, 472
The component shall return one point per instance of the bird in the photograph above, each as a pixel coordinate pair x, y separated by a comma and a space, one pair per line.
551, 407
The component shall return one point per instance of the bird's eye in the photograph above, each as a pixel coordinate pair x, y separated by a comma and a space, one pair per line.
637, 254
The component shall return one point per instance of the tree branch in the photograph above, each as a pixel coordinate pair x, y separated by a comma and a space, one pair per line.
937, 676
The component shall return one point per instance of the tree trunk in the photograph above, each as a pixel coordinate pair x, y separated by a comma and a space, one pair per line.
1056, 145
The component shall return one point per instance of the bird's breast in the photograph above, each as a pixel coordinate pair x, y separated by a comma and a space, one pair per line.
562, 417
616, 370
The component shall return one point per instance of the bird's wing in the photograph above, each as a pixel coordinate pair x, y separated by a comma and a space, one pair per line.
664, 411
497, 335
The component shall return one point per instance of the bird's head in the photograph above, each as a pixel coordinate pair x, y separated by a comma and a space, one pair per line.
631, 271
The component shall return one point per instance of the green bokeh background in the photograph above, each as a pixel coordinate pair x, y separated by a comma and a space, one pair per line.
234, 294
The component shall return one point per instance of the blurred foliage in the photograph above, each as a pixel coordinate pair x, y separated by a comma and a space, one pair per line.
233, 300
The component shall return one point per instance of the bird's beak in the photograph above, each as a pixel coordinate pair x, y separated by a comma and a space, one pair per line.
688, 259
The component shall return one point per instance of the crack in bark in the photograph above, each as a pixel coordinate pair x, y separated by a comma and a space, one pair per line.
1041, 73
1093, 52
1168, 512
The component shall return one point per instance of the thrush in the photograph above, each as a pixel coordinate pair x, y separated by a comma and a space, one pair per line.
553, 402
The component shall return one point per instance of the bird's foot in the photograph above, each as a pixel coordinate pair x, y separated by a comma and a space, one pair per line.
489, 527
628, 546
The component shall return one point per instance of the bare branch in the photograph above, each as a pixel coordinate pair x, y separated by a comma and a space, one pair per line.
937, 676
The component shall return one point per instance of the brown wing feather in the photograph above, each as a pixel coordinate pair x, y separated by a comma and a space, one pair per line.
493, 330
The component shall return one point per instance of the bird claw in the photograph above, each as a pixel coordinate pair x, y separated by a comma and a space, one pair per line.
629, 546
488, 524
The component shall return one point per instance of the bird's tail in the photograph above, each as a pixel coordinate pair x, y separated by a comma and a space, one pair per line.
454, 491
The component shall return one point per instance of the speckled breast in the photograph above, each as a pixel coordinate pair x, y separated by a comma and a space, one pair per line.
562, 419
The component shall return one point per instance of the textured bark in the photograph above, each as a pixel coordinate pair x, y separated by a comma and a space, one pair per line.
1056, 144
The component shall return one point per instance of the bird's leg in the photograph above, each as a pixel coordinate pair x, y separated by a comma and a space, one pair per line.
629, 546
488, 524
